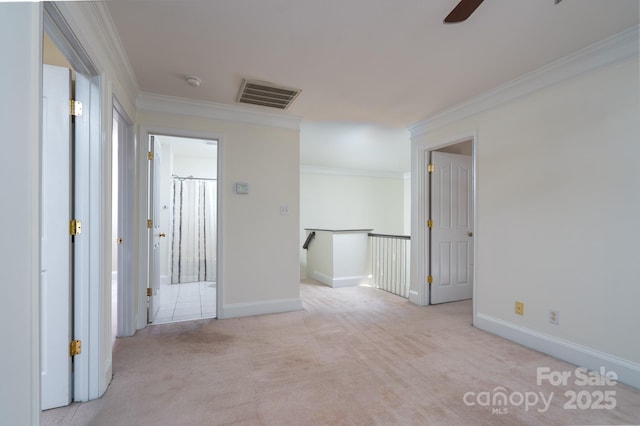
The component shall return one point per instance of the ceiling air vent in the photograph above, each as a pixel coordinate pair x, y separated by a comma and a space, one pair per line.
266, 94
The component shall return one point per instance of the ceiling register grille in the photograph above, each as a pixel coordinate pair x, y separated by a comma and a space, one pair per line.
266, 94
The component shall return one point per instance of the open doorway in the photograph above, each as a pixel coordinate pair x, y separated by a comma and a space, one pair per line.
71, 329
184, 239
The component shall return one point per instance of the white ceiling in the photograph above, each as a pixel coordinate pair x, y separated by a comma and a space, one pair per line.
380, 63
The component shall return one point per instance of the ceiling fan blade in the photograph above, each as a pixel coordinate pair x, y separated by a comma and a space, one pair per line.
462, 11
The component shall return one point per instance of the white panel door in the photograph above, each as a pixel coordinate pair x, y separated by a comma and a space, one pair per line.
154, 240
452, 231
55, 264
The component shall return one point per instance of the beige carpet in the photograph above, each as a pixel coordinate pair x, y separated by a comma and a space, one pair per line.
353, 356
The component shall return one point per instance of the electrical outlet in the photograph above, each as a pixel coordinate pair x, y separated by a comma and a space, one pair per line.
520, 308
554, 317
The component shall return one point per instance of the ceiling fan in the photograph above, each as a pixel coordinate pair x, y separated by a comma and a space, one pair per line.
464, 9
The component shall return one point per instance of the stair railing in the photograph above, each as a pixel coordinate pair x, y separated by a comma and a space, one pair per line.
390, 263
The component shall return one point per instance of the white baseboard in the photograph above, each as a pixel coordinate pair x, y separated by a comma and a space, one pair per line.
235, 310
350, 281
340, 281
164, 279
628, 372
414, 297
319, 276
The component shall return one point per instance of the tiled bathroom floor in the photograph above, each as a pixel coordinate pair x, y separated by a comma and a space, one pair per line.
182, 302
178, 302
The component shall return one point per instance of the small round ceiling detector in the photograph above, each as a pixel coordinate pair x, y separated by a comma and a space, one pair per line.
193, 81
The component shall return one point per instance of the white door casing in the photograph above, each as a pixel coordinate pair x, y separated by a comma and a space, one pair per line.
85, 254
55, 268
155, 234
144, 268
451, 205
126, 171
91, 316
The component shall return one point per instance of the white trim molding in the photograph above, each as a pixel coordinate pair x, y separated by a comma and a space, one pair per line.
582, 356
614, 49
337, 282
194, 108
235, 310
142, 232
349, 281
92, 24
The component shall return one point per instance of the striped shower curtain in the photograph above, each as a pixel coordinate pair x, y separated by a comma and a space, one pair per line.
193, 234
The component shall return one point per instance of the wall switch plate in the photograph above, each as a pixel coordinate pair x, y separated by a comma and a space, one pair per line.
520, 308
284, 210
241, 188
554, 316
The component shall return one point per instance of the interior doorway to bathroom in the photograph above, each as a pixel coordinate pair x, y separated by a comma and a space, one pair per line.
183, 238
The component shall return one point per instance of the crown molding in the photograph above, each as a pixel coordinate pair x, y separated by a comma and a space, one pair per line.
333, 171
93, 26
613, 49
114, 47
195, 108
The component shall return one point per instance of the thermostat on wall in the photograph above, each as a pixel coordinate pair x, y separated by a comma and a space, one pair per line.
241, 188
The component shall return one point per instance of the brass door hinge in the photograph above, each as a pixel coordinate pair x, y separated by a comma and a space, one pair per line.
150, 155
430, 279
75, 227
149, 223
430, 223
431, 168
75, 348
75, 108
149, 292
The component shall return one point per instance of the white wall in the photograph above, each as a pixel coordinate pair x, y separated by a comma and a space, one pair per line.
259, 246
334, 201
355, 146
339, 259
557, 207
406, 228
20, 45
194, 166
51, 54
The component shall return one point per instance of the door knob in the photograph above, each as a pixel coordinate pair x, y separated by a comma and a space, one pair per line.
162, 234
470, 234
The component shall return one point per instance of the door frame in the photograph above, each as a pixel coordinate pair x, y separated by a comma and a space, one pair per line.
126, 324
143, 196
92, 367
420, 250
